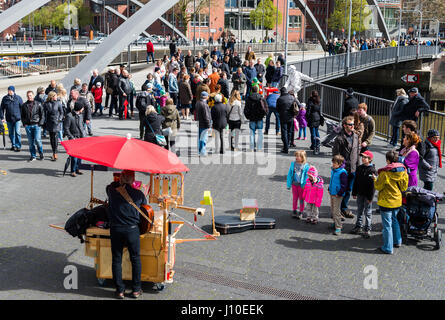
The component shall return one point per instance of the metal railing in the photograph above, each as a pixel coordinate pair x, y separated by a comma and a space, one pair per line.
335, 66
41, 46
333, 98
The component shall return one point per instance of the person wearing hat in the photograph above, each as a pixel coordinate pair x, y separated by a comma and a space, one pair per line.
10, 113
430, 159
74, 129
204, 121
415, 106
97, 92
351, 103
363, 190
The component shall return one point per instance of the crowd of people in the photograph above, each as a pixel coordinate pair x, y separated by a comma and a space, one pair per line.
417, 158
219, 90
338, 46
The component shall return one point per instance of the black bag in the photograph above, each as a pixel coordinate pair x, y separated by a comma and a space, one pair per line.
264, 106
322, 120
78, 223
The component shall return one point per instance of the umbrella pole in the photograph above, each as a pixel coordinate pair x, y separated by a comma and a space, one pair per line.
92, 179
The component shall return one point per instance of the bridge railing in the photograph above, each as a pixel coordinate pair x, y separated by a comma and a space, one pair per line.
334, 66
332, 102
8, 47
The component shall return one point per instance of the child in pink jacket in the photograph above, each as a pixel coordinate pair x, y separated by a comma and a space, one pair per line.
313, 194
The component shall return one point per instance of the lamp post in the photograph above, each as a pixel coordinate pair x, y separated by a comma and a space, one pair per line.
194, 27
286, 37
400, 30
303, 25
348, 55
129, 46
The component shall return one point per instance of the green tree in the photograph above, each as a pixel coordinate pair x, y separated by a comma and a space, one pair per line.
265, 14
183, 10
337, 19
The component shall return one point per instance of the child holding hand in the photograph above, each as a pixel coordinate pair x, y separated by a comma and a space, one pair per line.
296, 178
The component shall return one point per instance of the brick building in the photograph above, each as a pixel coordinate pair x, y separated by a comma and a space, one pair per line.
225, 15
4, 5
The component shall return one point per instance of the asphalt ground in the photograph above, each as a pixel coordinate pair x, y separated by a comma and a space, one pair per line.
293, 261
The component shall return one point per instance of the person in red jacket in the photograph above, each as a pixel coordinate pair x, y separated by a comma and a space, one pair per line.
150, 52
97, 92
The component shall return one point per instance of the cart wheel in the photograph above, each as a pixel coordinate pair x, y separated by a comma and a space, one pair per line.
159, 286
438, 239
101, 281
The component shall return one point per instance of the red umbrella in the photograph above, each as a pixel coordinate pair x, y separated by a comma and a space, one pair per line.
125, 153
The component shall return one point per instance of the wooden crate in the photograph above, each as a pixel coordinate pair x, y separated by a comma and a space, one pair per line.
152, 258
249, 210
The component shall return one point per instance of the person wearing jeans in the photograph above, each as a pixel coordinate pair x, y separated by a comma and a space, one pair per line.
204, 122
124, 230
392, 180
34, 134
254, 126
33, 117
255, 110
10, 113
363, 190
272, 104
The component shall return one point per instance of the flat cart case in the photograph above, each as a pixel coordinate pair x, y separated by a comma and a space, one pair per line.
233, 224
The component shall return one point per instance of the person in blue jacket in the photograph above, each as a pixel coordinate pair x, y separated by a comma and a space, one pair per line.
250, 73
272, 104
10, 112
337, 187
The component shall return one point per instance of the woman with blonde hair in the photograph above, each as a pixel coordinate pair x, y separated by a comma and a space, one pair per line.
153, 124
397, 116
234, 116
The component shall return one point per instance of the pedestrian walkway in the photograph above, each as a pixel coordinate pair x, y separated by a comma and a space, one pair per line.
294, 258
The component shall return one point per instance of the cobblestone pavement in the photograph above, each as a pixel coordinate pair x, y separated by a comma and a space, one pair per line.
293, 261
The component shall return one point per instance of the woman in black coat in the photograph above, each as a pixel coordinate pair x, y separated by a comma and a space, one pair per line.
270, 70
313, 117
54, 116
153, 125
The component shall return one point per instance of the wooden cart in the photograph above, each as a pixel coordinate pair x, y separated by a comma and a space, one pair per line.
158, 245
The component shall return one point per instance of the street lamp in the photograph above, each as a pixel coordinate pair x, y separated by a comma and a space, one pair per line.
348, 55
286, 37
400, 30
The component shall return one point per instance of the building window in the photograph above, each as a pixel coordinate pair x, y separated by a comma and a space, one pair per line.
231, 3
203, 20
248, 3
294, 21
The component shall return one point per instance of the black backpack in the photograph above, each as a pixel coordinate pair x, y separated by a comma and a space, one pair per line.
78, 223
142, 102
84, 218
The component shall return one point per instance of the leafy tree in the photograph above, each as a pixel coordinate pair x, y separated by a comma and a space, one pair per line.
337, 19
183, 7
265, 14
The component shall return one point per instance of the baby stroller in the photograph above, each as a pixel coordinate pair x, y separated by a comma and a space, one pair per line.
333, 129
419, 216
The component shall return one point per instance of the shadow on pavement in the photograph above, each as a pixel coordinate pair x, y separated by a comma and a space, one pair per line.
360, 245
29, 268
46, 172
